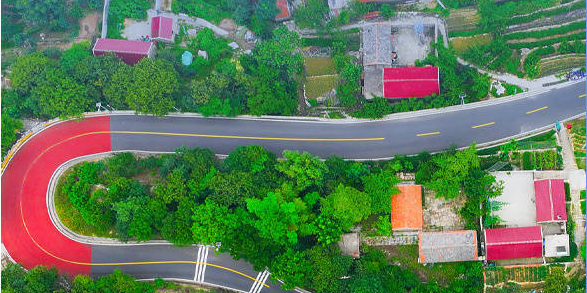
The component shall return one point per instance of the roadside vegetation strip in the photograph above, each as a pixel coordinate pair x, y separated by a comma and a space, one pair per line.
538, 34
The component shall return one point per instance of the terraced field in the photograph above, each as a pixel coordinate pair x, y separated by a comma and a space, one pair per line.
562, 64
463, 19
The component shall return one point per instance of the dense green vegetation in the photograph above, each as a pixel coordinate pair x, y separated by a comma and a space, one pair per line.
15, 279
10, 127
258, 17
71, 82
285, 215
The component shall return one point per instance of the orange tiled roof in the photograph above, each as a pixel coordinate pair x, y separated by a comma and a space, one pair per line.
406, 208
283, 9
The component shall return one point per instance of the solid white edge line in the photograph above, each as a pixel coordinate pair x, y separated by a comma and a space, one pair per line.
255, 283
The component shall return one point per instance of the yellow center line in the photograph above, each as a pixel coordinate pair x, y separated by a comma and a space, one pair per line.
536, 110
112, 263
481, 125
428, 133
246, 137
582, 96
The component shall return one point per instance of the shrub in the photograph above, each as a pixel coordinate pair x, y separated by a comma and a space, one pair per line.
532, 62
582, 194
567, 191
526, 165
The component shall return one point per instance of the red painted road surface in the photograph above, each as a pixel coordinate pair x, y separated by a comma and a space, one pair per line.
27, 231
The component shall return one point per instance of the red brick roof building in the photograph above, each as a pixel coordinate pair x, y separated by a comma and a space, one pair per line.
284, 11
550, 200
512, 243
410, 82
130, 52
162, 29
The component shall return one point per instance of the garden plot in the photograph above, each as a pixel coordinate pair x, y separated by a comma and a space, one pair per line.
560, 64
578, 137
462, 44
497, 275
464, 19
321, 77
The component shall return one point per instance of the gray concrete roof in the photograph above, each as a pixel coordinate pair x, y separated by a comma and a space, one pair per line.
377, 45
447, 246
556, 245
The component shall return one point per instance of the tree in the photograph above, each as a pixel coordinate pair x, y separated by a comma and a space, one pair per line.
10, 128
555, 282
122, 165
28, 71
231, 189
327, 267
177, 225
75, 55
83, 284
13, 276
291, 267
173, 189
277, 219
60, 96
40, 279
346, 205
381, 186
387, 11
269, 96
451, 172
479, 187
252, 158
115, 91
213, 223
303, 169
152, 86
312, 14
120, 282
133, 219
328, 230
45, 13
266, 10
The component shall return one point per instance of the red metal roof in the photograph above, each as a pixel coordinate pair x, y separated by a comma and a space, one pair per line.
283, 10
130, 52
406, 208
510, 243
550, 200
162, 28
408, 82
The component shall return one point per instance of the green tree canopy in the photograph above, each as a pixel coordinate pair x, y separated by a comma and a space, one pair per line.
451, 172
303, 169
346, 205
151, 88
61, 96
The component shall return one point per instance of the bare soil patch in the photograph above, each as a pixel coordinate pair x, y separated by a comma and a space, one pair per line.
228, 25
88, 26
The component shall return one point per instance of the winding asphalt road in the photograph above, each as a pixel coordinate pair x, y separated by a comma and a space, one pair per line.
30, 237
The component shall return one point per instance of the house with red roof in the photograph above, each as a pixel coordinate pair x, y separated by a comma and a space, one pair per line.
130, 52
550, 201
410, 82
513, 243
406, 209
162, 29
284, 10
